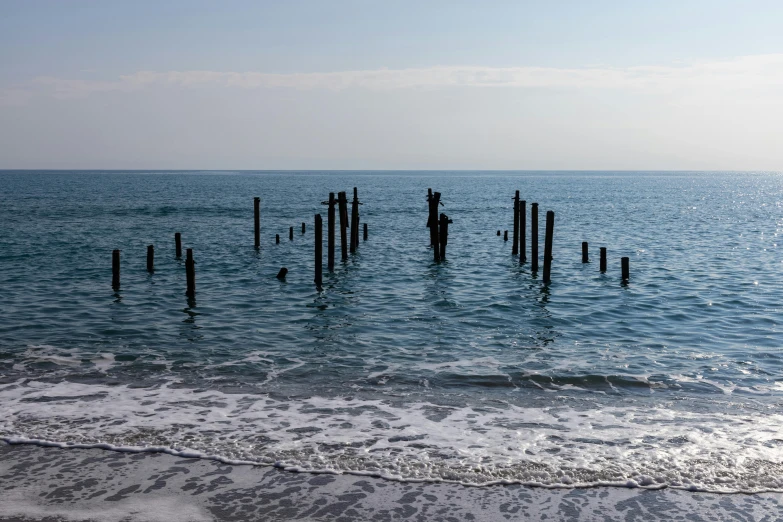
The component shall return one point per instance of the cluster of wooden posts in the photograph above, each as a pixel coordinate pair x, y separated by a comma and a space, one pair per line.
519, 246
439, 234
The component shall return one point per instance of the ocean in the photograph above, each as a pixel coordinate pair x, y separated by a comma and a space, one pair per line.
471, 370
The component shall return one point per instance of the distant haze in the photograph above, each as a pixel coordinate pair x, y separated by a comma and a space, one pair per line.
694, 85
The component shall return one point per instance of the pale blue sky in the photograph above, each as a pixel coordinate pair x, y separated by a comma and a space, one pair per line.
365, 84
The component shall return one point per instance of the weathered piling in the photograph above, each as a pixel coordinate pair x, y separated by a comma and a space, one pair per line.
355, 220
330, 232
498, 233
443, 235
319, 249
603, 259
550, 228
178, 245
432, 217
505, 235
282, 273
150, 258
303, 227
434, 227
290, 233
365, 231
190, 273
277, 239
585, 258
343, 203
522, 225
115, 269
257, 221
515, 241
534, 237
625, 263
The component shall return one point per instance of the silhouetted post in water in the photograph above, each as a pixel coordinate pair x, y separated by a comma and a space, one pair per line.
355, 221
515, 241
291, 233
257, 220
522, 225
319, 248
550, 228
343, 202
277, 239
585, 258
365, 231
281, 274
444, 235
625, 262
330, 232
534, 237
434, 227
190, 273
432, 217
115, 269
303, 228
498, 232
150, 258
603, 259
505, 235
178, 244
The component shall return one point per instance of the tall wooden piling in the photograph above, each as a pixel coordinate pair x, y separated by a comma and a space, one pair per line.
550, 228
190, 273
432, 217
115, 269
277, 239
343, 204
178, 245
434, 227
505, 235
330, 232
443, 235
585, 258
522, 235
319, 249
257, 221
365, 231
534, 237
603, 259
625, 263
355, 220
303, 227
290, 233
150, 258
515, 241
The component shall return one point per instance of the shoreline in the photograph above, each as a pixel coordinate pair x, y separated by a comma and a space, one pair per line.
51, 484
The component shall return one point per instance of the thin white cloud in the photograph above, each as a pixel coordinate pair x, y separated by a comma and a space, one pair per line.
738, 73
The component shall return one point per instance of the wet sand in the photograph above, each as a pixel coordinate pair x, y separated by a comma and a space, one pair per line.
53, 485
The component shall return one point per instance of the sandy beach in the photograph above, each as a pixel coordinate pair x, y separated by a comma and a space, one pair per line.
52, 485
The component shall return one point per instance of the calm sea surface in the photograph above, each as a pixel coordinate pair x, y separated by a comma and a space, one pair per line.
470, 370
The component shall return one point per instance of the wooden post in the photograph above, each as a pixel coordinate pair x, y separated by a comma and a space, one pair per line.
281, 274
585, 258
277, 239
515, 241
365, 231
432, 217
150, 258
505, 235
257, 220
498, 233
303, 227
603, 259
625, 263
434, 228
355, 221
343, 202
319, 248
330, 232
115, 269
534, 237
178, 244
522, 225
550, 228
190, 273
291, 233
443, 235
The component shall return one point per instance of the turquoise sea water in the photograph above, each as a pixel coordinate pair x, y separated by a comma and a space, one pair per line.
471, 370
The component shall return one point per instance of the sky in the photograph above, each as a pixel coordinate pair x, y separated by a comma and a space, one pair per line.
350, 84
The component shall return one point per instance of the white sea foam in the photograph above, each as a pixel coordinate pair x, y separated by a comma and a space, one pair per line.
555, 446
